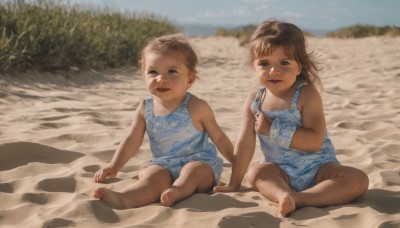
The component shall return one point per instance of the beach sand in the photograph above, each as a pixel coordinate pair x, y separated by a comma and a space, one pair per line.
57, 130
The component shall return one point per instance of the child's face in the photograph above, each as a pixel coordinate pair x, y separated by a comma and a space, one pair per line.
276, 72
166, 75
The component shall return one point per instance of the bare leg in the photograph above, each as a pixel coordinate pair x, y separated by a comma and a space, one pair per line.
272, 182
152, 182
194, 176
335, 185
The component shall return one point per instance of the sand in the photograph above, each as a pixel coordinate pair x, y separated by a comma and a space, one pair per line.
57, 129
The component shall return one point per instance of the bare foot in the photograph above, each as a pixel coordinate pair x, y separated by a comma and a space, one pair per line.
286, 205
169, 197
114, 199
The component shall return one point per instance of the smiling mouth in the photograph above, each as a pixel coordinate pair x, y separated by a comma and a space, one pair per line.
161, 90
275, 81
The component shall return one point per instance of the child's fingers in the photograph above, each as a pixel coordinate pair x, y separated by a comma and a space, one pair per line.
97, 176
100, 176
259, 116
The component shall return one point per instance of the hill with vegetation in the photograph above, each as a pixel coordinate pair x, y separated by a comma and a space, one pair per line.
243, 33
360, 30
48, 36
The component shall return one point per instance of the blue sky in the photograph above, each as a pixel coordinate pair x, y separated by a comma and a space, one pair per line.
308, 14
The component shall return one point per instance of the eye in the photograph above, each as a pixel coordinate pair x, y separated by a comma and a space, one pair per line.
172, 71
263, 63
152, 72
284, 63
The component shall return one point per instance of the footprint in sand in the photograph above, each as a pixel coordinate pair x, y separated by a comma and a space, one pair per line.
38, 198
63, 184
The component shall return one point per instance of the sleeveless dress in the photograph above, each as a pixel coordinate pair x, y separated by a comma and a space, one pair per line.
301, 167
175, 141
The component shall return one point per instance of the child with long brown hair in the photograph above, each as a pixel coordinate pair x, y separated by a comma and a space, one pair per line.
286, 113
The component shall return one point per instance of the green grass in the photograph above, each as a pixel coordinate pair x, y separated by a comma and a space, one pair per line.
48, 35
360, 30
244, 33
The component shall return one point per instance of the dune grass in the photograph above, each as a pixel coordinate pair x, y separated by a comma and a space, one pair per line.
361, 30
48, 35
243, 33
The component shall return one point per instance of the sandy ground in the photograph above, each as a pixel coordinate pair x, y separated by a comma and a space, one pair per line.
57, 130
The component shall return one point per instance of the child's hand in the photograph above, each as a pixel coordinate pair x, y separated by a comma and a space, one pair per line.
262, 124
225, 188
106, 172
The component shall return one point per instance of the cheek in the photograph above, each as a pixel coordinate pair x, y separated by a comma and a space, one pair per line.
149, 82
262, 77
261, 73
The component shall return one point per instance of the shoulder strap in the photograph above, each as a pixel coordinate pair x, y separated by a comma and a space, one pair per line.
296, 94
259, 99
187, 99
149, 106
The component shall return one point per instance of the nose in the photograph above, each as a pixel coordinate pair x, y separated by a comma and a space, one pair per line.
274, 70
161, 79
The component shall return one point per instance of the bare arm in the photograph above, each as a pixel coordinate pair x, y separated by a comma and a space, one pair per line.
244, 149
307, 138
310, 137
202, 111
128, 146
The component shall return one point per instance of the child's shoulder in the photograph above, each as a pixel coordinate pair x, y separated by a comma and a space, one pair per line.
197, 103
142, 102
253, 94
142, 105
308, 94
199, 108
308, 91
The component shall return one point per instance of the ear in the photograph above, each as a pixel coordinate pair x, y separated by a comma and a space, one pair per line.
299, 71
192, 78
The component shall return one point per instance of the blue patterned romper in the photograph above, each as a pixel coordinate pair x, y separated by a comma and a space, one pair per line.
175, 141
301, 167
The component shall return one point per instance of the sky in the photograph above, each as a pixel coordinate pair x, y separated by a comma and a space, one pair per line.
307, 14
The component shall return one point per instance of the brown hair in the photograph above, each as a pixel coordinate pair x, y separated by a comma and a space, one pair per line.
172, 44
273, 33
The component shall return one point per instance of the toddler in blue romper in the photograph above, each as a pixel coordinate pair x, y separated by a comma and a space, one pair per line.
301, 167
175, 141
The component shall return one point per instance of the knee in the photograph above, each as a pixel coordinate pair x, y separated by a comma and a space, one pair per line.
254, 174
364, 181
196, 166
197, 170
360, 182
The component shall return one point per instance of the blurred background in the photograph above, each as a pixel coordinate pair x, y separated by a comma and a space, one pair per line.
206, 16
78, 35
